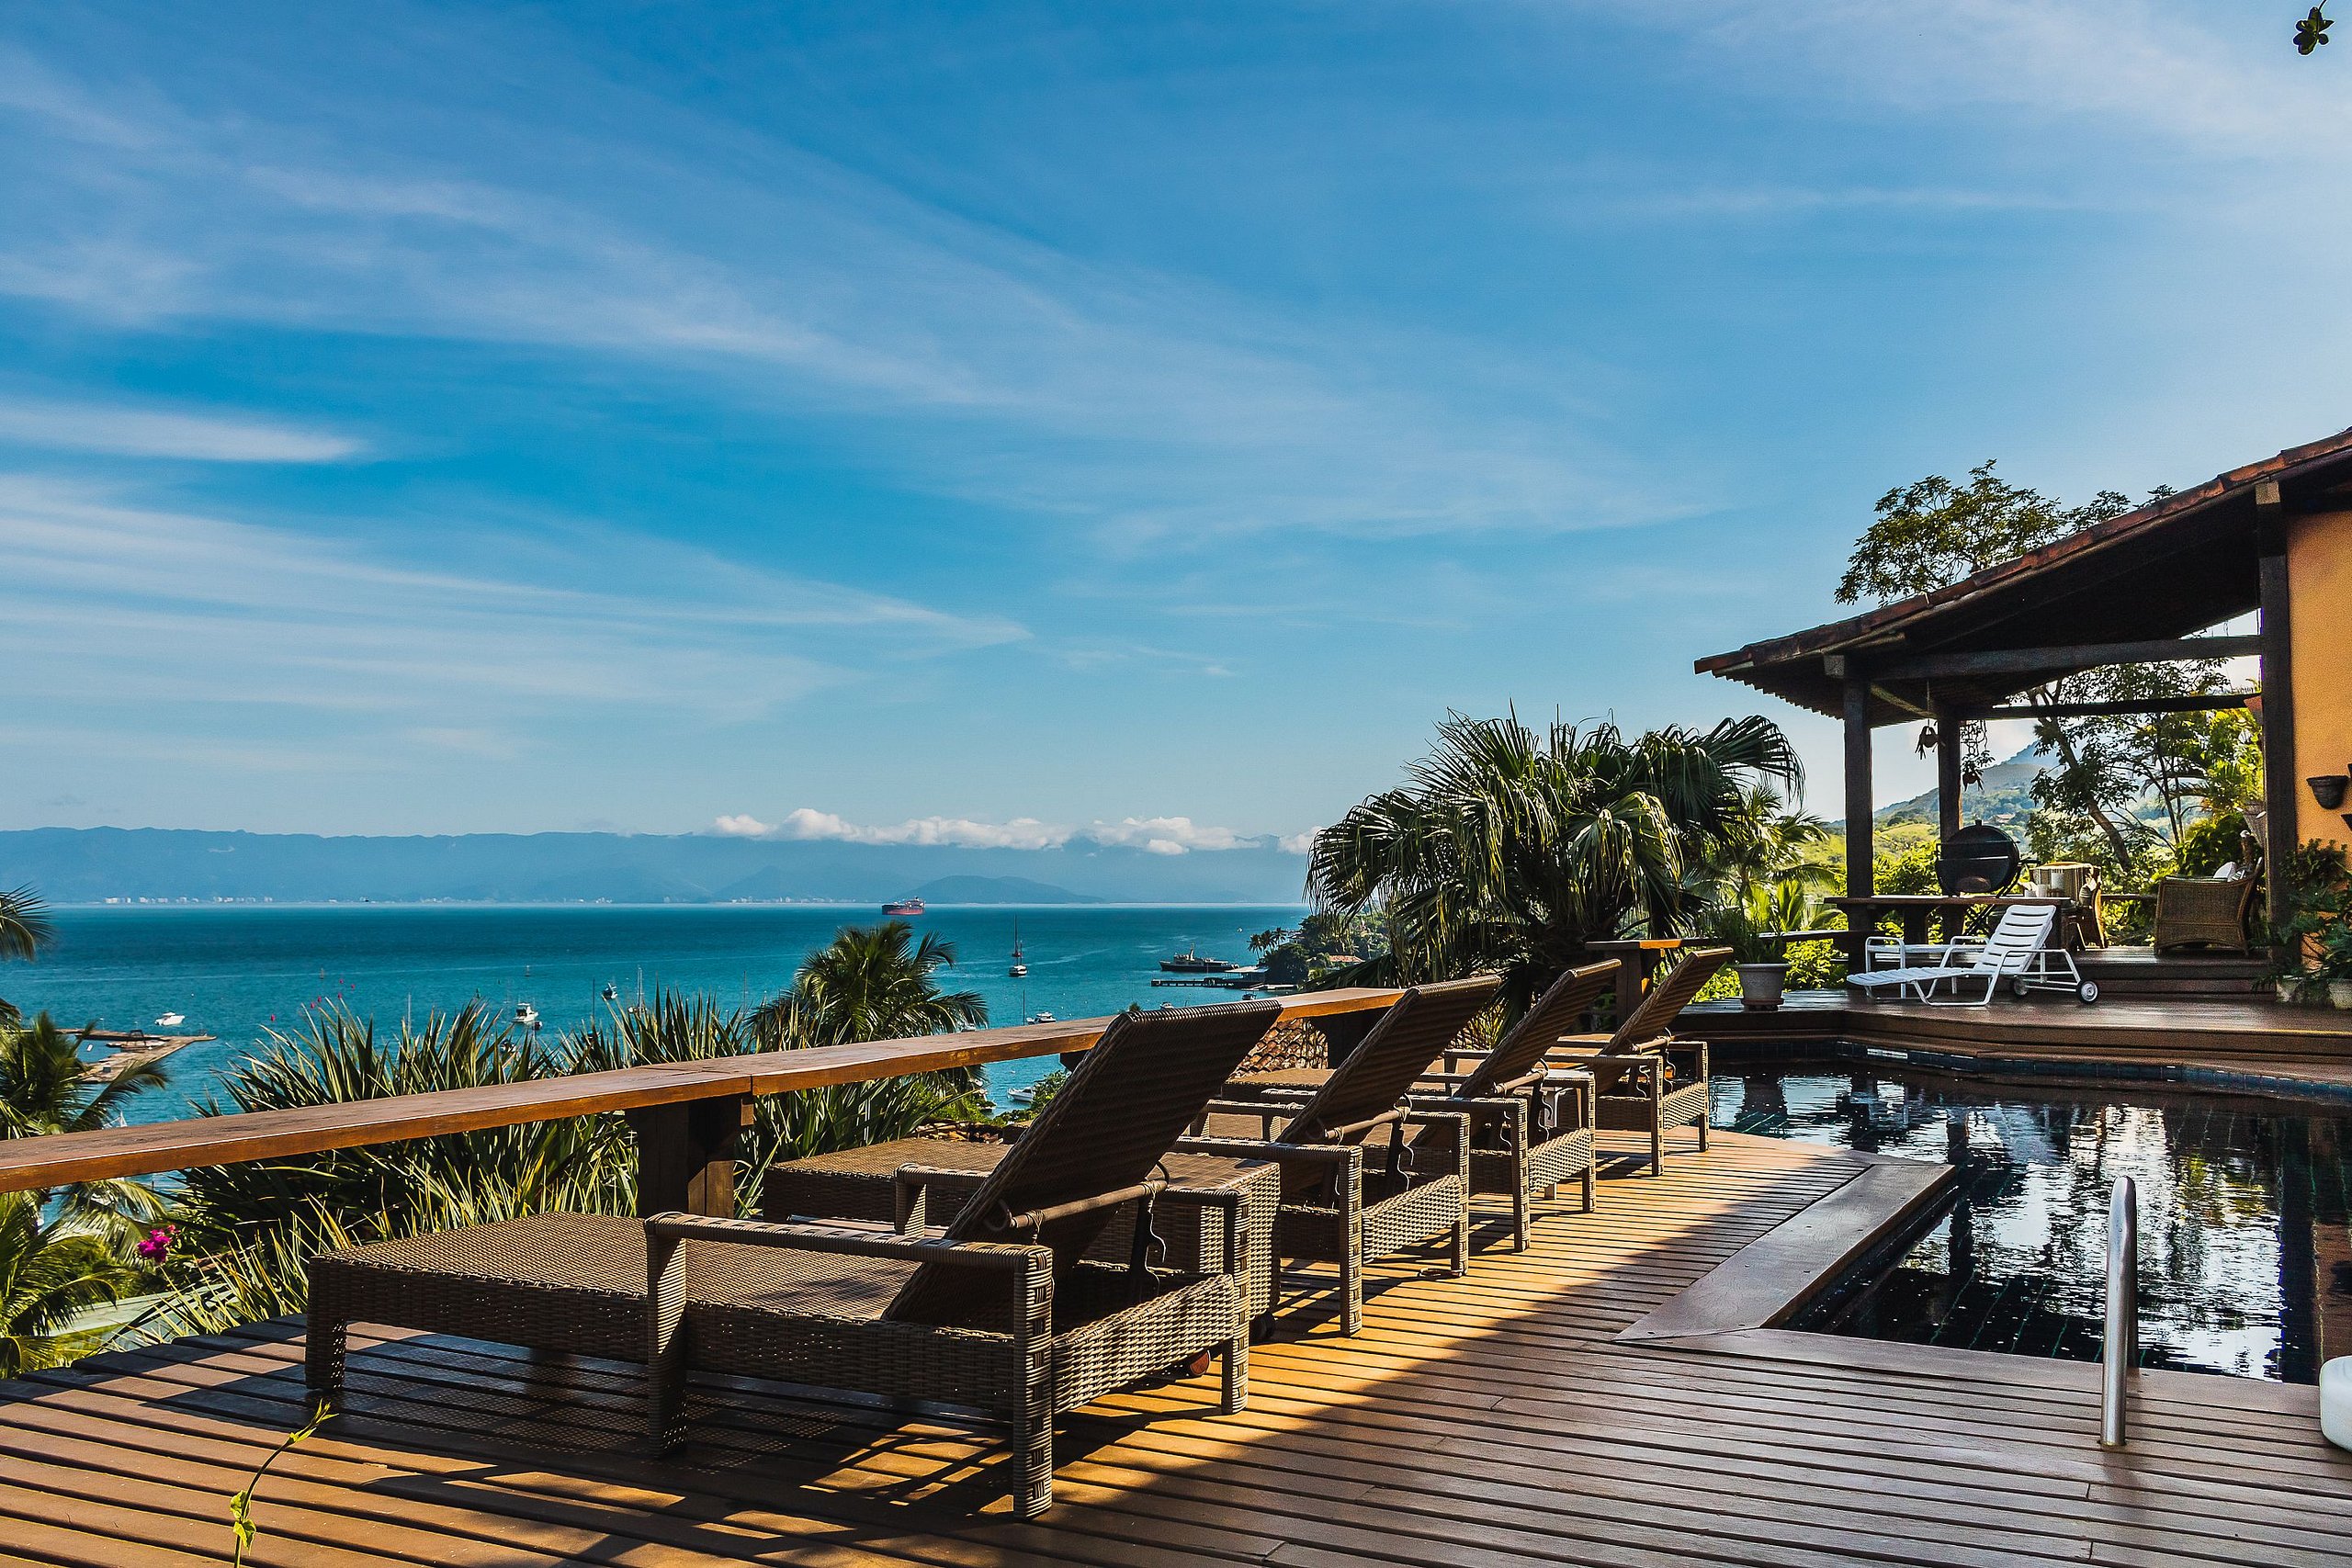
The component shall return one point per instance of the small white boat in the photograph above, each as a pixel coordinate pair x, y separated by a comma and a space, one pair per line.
1019, 967
1043, 1018
526, 1016
170, 1020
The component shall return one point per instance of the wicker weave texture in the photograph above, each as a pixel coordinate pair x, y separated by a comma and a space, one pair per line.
1555, 1013
858, 1184
1401, 1047
2193, 911
1665, 998
1124, 1108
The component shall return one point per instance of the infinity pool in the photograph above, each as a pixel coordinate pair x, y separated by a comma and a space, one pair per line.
2245, 1260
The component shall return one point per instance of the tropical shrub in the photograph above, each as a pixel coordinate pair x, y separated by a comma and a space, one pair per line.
25, 929
52, 1272
1511, 850
246, 1231
64, 1252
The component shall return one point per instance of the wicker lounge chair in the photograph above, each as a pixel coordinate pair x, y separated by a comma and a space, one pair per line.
1340, 1204
862, 1184
1647, 1078
1531, 1127
1003, 1315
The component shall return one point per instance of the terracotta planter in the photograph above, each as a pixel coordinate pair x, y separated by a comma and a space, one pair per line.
1761, 986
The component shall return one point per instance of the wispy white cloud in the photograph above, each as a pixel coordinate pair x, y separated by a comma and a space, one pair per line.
160, 433
1237, 417
1154, 835
129, 604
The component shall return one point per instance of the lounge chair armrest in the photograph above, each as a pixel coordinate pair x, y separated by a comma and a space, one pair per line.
856, 1243
1279, 1153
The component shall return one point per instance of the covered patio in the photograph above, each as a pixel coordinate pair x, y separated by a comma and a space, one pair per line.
2271, 540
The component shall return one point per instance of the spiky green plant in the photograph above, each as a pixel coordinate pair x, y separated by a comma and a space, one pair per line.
247, 1229
1512, 850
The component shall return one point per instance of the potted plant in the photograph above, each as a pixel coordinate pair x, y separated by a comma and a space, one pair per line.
2336, 964
1754, 927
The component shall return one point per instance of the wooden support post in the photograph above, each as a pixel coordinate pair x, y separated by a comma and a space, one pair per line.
1947, 728
2278, 776
1859, 849
685, 1154
1344, 1031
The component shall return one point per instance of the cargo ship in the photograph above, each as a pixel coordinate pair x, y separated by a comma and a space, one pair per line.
903, 907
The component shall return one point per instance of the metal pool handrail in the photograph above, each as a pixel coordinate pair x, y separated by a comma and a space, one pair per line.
2120, 1341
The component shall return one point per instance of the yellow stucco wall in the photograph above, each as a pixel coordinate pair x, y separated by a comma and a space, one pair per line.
2319, 586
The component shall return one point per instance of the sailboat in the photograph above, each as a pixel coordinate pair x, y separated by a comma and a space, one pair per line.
1019, 969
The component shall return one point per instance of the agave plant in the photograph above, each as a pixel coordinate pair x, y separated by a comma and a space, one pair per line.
1510, 849
246, 1230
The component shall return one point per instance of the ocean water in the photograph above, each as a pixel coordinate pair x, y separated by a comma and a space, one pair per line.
236, 971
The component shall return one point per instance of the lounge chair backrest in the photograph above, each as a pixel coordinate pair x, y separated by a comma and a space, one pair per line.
1401, 1047
1555, 1013
1125, 1105
1665, 998
2016, 936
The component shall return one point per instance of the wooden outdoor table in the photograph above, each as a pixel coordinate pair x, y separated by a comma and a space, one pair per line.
1913, 909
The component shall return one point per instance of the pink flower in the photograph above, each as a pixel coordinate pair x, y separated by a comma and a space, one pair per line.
158, 1245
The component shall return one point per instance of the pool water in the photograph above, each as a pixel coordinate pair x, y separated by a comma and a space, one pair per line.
2245, 1251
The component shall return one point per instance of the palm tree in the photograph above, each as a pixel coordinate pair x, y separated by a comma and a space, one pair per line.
867, 985
45, 1087
1510, 849
52, 1272
63, 1254
25, 929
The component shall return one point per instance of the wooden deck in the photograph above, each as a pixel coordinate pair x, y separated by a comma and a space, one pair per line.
1492, 1419
2231, 1043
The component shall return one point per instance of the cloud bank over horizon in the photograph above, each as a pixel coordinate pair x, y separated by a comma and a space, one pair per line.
1154, 835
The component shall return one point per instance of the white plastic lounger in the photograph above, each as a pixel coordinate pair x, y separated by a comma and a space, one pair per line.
2019, 951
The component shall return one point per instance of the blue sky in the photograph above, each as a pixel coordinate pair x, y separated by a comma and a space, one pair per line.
984, 423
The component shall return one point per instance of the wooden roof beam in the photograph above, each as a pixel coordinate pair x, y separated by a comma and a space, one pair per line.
2082, 656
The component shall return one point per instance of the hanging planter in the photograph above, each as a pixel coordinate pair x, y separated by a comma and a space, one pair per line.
2328, 790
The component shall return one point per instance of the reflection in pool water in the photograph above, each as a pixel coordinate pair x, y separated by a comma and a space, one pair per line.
2245, 1261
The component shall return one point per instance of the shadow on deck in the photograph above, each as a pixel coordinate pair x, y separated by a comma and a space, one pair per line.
1495, 1418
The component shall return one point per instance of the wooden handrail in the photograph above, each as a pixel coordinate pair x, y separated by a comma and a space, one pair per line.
27, 1164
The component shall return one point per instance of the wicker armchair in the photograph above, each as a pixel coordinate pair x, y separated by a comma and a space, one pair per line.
1531, 1127
2202, 912
1341, 1203
1003, 1315
1648, 1079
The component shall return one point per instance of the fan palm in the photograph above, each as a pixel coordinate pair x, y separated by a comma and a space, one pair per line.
870, 983
25, 929
45, 1087
52, 1272
1512, 850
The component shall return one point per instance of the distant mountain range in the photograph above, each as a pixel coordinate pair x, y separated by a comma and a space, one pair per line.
2003, 799
89, 865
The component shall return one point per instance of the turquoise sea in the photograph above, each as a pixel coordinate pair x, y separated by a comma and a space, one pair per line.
235, 971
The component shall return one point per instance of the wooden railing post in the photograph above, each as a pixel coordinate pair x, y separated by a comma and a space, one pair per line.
686, 1153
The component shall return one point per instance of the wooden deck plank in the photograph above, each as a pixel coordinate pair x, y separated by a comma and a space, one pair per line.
1490, 1419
